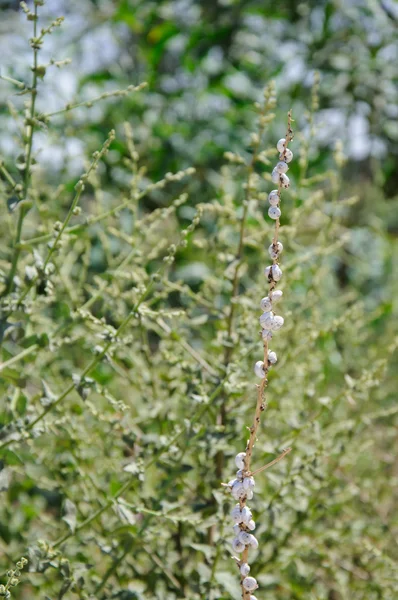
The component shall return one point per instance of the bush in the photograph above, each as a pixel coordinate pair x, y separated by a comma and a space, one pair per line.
129, 332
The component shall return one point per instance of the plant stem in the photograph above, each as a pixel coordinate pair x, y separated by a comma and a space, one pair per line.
270, 464
222, 416
18, 357
28, 160
260, 403
97, 358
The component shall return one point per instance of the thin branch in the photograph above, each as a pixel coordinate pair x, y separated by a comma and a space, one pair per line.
28, 160
270, 464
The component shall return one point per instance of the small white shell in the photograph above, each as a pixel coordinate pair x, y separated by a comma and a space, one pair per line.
236, 514
280, 146
238, 491
277, 323
266, 320
266, 334
250, 584
273, 198
253, 541
282, 167
252, 597
246, 514
244, 569
245, 538
236, 529
238, 547
249, 494
266, 304
288, 155
275, 252
272, 358
230, 484
276, 272
285, 181
250, 525
275, 176
239, 460
239, 474
249, 483
259, 369
276, 296
274, 212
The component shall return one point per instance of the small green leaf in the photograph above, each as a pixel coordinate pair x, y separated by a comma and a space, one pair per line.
70, 514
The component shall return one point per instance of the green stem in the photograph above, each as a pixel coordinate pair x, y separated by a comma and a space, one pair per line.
132, 480
28, 161
18, 357
113, 568
7, 175
89, 367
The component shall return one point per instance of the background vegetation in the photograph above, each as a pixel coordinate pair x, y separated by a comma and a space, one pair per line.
127, 361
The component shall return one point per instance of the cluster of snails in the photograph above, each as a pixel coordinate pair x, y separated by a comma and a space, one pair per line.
242, 487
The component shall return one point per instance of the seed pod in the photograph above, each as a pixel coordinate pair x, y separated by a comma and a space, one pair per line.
282, 167
259, 369
237, 546
274, 212
277, 323
244, 569
249, 483
239, 460
280, 146
250, 584
275, 252
253, 541
245, 538
272, 358
273, 198
285, 181
251, 525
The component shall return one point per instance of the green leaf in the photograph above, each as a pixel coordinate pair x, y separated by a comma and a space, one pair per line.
70, 514
5, 479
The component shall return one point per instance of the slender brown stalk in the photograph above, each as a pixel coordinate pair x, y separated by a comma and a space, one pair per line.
242, 487
267, 105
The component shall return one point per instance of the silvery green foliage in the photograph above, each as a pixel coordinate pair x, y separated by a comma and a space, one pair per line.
108, 478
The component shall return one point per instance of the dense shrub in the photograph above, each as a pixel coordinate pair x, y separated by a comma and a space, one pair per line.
129, 327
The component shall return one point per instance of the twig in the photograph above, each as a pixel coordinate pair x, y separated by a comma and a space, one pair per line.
270, 464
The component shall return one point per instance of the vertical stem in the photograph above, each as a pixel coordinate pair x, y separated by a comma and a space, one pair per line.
222, 416
28, 160
260, 403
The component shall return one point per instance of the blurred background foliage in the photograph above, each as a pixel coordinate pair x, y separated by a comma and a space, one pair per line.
124, 474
